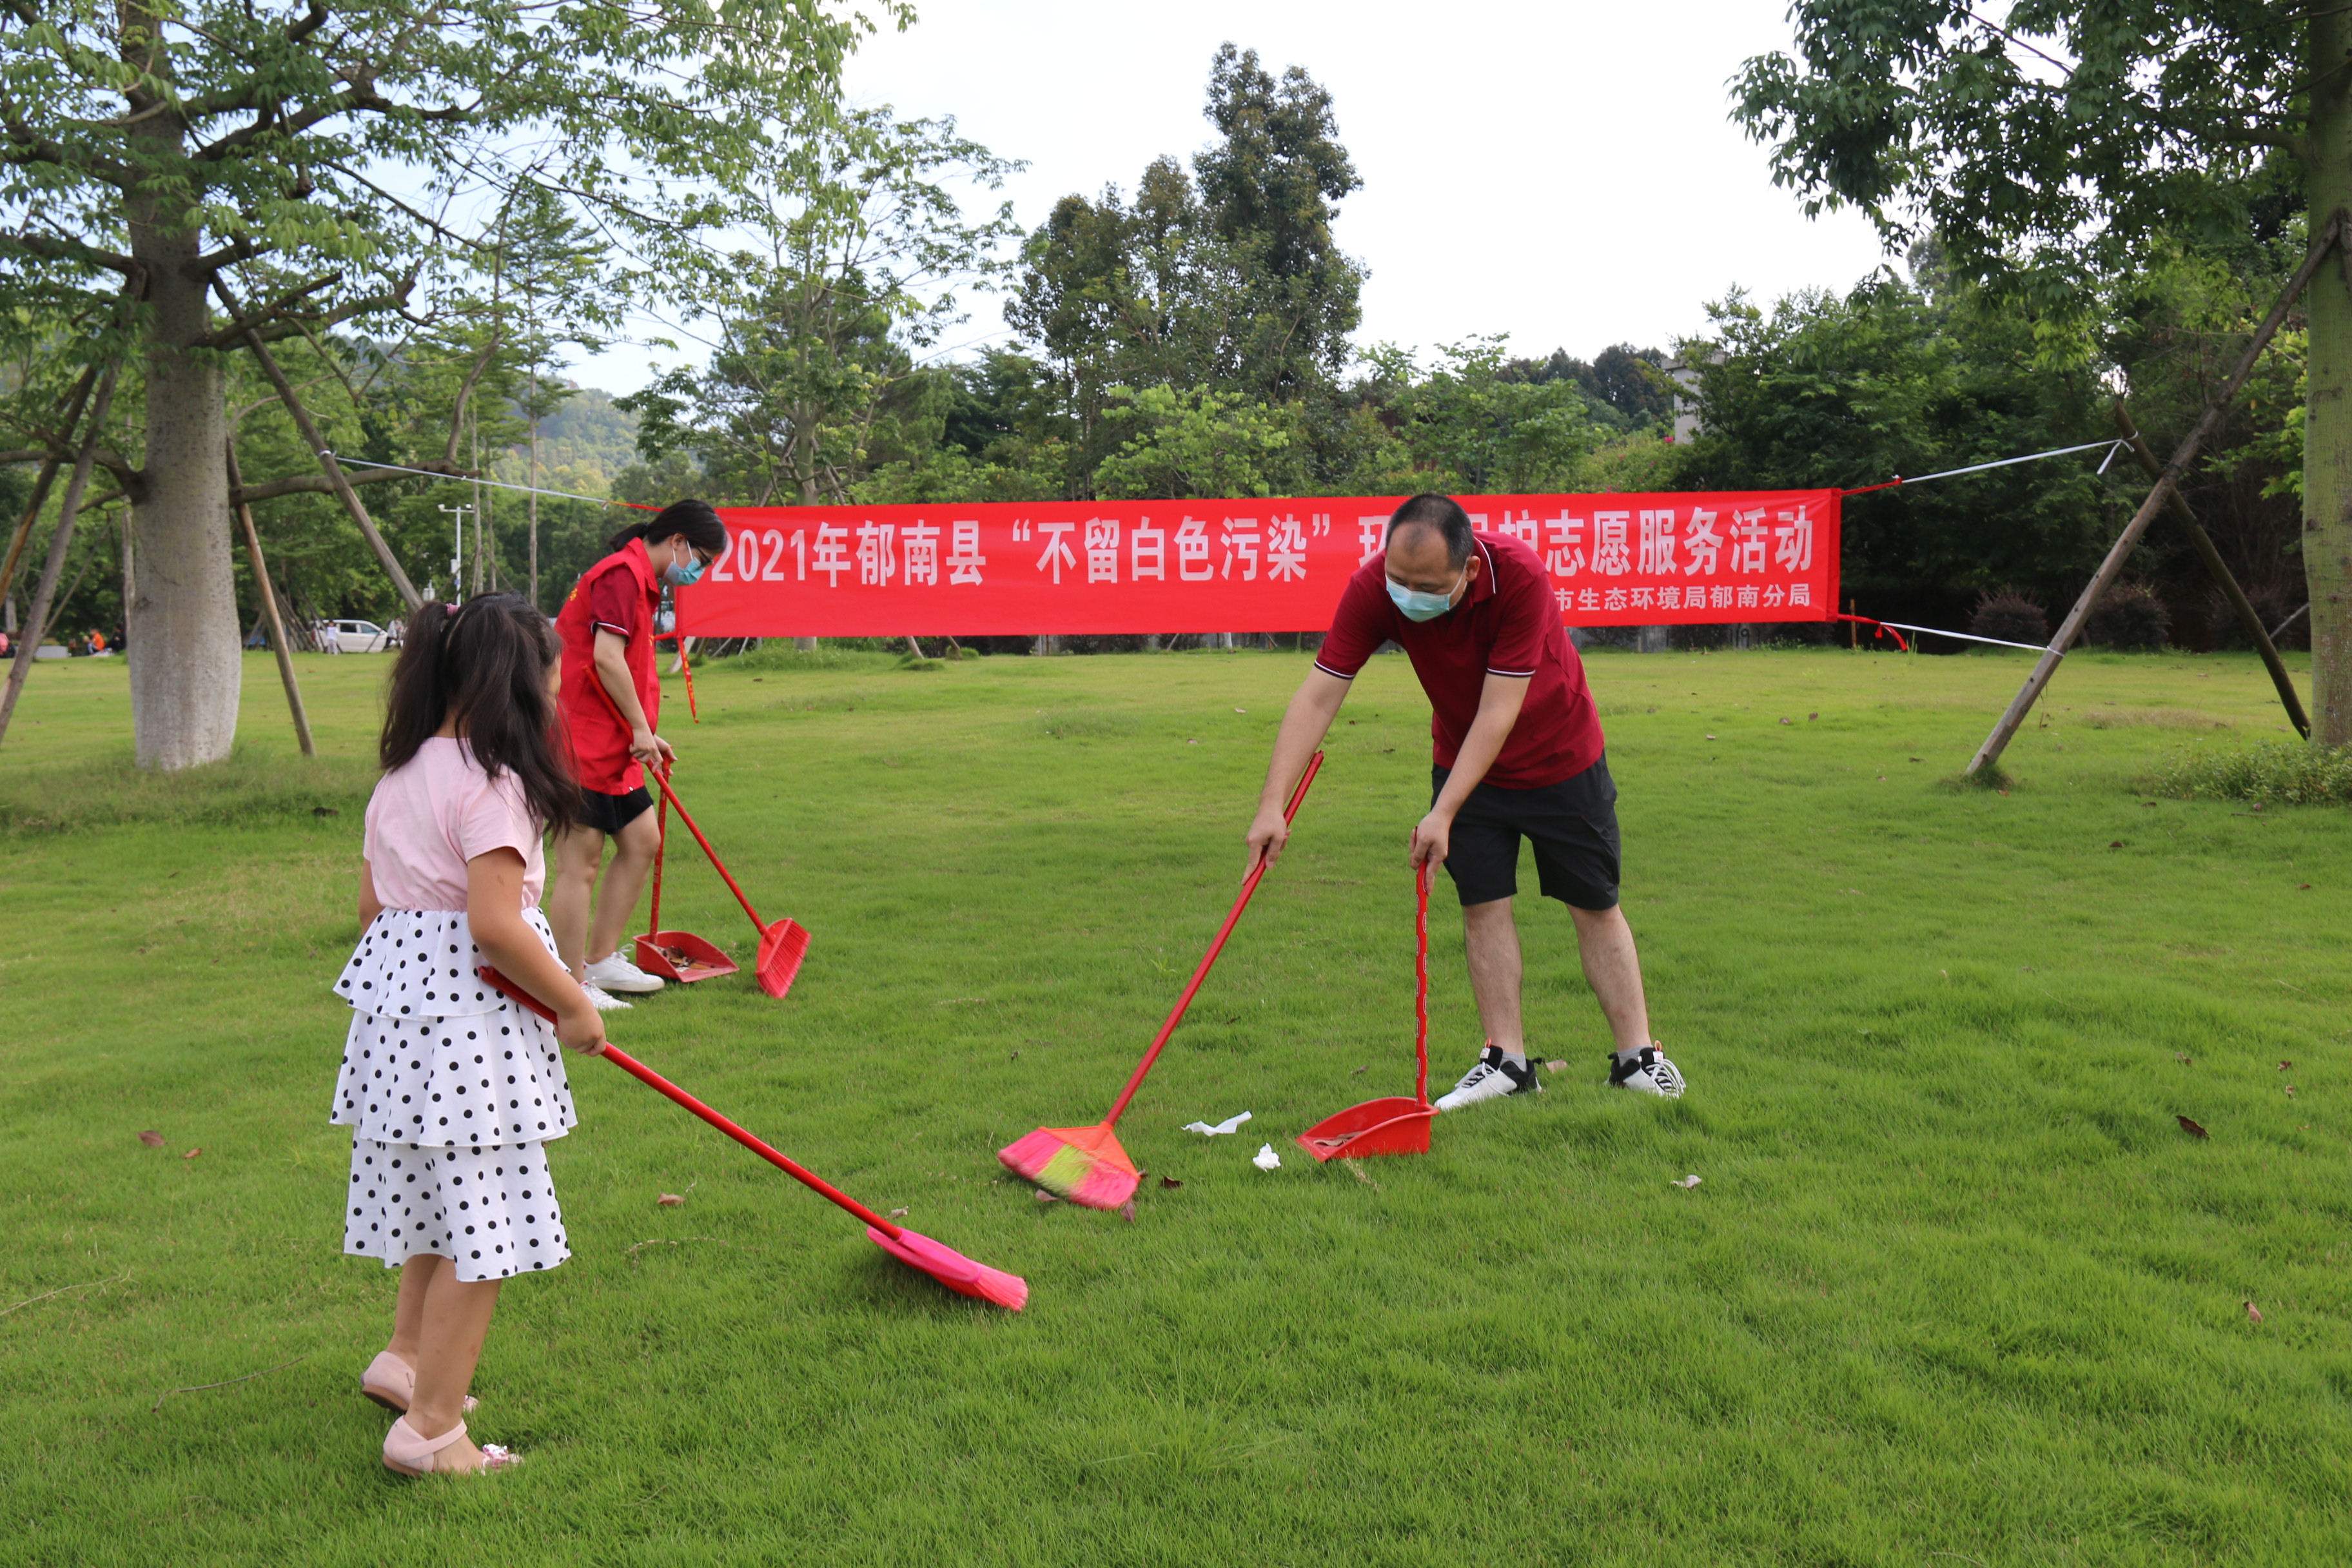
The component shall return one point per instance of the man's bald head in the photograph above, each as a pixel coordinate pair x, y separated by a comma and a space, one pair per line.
1428, 514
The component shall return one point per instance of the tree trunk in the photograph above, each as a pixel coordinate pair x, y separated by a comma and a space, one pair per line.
2327, 416
182, 627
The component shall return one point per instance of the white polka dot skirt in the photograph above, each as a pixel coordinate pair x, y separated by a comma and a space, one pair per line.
490, 1211
467, 1082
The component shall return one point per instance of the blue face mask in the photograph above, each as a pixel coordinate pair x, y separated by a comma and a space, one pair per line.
1415, 605
683, 576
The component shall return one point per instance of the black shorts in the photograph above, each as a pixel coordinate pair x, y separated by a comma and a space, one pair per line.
608, 813
1572, 824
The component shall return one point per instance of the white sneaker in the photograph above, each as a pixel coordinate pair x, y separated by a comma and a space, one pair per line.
604, 1001
1646, 1072
1491, 1077
614, 972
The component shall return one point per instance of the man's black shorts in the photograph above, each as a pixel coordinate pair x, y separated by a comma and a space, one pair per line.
609, 813
1572, 824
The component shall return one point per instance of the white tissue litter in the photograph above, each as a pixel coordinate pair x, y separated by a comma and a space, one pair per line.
1265, 1159
1230, 1124
1686, 1184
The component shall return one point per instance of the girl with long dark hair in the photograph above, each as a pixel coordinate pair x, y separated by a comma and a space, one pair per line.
451, 1091
611, 702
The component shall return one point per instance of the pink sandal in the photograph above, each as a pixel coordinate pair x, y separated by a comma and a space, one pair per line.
391, 1383
411, 1453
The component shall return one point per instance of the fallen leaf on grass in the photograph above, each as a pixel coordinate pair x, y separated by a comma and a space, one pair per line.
2290, 1091
324, 811
897, 1214
670, 1201
2254, 1313
1812, 715
1555, 1065
1241, 710
2303, 887
1045, 1198
2181, 1056
1358, 1072
2191, 1128
1788, 720
1126, 1211
1170, 1182
2116, 844
152, 1140
2281, 1066
192, 1153
1710, 737
1686, 1184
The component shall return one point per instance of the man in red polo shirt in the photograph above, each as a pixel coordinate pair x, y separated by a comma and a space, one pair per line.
1518, 753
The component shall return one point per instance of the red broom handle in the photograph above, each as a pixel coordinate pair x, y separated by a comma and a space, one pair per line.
1421, 989
661, 845
654, 1080
670, 795
1249, 886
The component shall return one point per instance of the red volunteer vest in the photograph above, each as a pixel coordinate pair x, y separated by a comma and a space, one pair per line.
599, 740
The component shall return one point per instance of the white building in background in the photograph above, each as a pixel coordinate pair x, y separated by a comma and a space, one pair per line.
1684, 373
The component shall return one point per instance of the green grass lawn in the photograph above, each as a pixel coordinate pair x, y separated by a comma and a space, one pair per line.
1955, 1286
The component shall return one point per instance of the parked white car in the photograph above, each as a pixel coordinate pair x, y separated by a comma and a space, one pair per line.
361, 637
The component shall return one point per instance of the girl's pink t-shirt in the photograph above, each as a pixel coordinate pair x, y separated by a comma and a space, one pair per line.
436, 812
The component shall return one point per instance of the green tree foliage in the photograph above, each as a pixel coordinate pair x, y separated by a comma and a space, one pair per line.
1851, 391
1225, 278
1198, 443
1468, 424
166, 149
2050, 150
861, 254
1626, 385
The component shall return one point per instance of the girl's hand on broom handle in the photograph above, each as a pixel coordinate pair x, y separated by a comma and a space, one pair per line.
494, 912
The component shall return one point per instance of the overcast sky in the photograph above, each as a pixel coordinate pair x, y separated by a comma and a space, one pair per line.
1564, 172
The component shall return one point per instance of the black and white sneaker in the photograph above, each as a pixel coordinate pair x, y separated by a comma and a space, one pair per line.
1647, 1072
1494, 1076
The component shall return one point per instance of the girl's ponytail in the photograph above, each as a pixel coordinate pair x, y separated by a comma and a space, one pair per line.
694, 518
487, 663
418, 699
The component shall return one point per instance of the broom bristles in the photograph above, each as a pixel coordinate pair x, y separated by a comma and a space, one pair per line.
953, 1269
782, 949
1084, 1165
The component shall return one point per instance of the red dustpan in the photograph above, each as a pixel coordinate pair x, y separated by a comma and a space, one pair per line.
782, 945
679, 955
1396, 1125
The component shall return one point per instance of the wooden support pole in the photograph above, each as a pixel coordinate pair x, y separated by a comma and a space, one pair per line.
36, 624
74, 405
2005, 728
2222, 577
261, 586
311, 438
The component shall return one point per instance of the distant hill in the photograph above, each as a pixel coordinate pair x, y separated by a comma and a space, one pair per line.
581, 445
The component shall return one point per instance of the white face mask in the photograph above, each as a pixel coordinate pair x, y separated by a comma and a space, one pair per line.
1415, 605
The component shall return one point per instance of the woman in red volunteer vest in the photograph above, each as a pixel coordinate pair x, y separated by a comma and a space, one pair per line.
607, 627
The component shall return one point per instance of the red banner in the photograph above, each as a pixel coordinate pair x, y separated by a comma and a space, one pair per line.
1242, 566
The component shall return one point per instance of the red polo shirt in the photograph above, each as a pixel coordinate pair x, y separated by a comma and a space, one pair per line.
1507, 623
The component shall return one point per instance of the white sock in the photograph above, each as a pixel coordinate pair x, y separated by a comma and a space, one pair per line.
1627, 1053
1518, 1057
